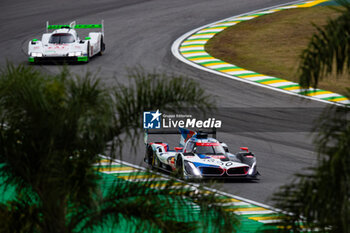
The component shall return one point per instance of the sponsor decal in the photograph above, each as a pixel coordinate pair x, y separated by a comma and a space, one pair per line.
192, 123
157, 120
151, 120
217, 156
207, 144
57, 47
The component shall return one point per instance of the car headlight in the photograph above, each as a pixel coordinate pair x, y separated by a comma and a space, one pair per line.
194, 170
75, 54
252, 169
36, 54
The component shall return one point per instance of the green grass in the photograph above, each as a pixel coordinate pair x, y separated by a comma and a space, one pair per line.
271, 44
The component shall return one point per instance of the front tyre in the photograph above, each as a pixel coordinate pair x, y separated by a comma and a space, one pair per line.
180, 173
150, 156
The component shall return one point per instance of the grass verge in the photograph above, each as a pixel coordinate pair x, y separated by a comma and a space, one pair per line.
271, 44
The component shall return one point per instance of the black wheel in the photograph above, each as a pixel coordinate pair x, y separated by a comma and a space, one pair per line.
179, 168
102, 47
150, 156
88, 52
154, 161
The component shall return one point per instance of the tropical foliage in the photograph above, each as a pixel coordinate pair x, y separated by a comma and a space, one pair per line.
319, 198
328, 50
53, 128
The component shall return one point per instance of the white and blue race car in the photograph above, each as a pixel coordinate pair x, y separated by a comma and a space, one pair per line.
64, 44
200, 157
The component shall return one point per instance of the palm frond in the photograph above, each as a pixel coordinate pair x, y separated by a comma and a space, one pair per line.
319, 199
165, 209
150, 91
329, 47
52, 130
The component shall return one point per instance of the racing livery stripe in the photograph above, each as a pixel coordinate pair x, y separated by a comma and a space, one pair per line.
83, 58
187, 48
253, 215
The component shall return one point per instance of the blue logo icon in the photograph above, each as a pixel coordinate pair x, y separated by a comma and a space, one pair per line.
151, 120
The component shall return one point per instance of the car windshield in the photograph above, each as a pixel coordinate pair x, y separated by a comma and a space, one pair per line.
61, 38
210, 150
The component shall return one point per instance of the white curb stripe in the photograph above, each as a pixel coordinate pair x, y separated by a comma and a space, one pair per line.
270, 221
192, 49
344, 102
195, 54
268, 12
255, 212
281, 84
241, 72
213, 30
239, 203
257, 78
297, 90
219, 66
105, 164
244, 18
225, 24
203, 60
286, 7
115, 172
327, 95
200, 36
194, 42
145, 179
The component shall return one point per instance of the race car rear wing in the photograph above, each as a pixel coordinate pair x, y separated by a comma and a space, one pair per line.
181, 131
73, 25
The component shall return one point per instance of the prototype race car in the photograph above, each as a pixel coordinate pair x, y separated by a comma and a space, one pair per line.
63, 44
200, 157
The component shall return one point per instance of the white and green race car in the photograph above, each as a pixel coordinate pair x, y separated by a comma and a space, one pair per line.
64, 44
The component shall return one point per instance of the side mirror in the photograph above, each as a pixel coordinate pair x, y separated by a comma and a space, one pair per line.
178, 149
224, 145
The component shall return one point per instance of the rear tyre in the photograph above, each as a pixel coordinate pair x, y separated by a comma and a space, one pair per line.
88, 53
102, 47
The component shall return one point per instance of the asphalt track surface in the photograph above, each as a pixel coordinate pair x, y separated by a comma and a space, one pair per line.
140, 33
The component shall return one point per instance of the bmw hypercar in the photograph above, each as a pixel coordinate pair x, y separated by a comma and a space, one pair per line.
200, 156
64, 44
